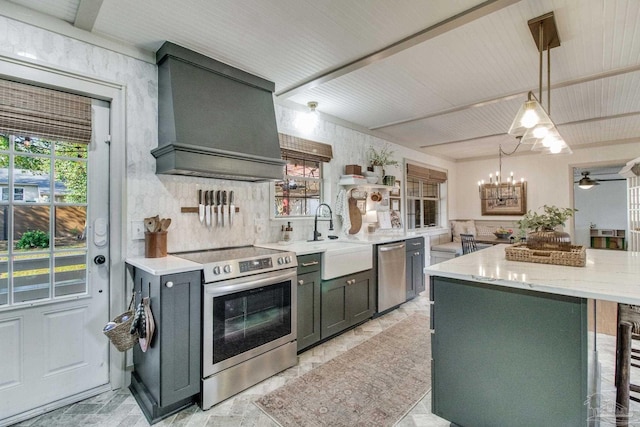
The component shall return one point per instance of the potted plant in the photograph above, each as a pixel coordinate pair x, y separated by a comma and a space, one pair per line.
378, 159
381, 157
541, 228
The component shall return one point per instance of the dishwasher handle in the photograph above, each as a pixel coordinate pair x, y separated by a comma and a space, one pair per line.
391, 247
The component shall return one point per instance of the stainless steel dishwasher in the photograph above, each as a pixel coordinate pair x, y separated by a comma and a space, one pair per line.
392, 277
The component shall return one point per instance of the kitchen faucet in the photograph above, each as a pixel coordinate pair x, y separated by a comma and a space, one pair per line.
316, 234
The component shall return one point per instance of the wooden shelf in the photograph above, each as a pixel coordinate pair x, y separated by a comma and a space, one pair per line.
607, 239
369, 186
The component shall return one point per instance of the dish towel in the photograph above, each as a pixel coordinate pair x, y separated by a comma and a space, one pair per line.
342, 210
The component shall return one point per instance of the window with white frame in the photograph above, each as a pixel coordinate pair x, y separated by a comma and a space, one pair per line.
18, 194
424, 196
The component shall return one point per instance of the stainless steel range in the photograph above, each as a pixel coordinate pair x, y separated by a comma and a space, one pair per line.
248, 318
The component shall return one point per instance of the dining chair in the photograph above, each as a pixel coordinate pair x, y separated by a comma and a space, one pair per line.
468, 243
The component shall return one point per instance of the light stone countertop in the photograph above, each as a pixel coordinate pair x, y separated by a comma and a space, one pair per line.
166, 265
609, 274
173, 264
304, 247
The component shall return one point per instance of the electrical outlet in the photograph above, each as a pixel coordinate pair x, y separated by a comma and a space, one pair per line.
137, 230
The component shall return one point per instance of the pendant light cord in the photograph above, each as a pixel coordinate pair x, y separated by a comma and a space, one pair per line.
514, 150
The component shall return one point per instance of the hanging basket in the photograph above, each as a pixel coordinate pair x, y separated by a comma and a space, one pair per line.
120, 335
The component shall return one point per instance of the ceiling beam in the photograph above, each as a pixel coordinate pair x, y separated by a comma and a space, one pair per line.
523, 94
58, 26
87, 14
483, 9
576, 122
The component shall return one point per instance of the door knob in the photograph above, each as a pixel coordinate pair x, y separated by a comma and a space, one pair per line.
99, 259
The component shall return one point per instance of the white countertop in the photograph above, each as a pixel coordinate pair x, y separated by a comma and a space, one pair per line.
609, 274
166, 265
304, 247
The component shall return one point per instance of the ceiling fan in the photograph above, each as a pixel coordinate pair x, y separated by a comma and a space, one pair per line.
586, 182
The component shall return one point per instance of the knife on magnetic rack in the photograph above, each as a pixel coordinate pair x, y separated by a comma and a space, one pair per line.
218, 208
207, 208
232, 208
225, 212
200, 207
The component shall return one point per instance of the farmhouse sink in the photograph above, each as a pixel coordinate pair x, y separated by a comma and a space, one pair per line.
341, 258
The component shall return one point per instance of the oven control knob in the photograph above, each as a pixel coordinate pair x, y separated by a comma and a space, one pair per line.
216, 270
227, 268
280, 260
287, 259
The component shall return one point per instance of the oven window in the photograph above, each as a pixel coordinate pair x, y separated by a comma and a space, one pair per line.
246, 320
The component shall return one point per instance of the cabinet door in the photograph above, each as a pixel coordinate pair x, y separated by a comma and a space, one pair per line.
308, 309
334, 316
360, 297
179, 336
417, 269
411, 285
147, 364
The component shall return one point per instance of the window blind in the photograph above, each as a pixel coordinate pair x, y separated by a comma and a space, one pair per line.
32, 111
426, 174
300, 148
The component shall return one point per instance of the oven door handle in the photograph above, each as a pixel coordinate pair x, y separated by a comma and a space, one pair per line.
247, 283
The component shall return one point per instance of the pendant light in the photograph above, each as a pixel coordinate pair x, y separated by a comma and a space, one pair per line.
532, 122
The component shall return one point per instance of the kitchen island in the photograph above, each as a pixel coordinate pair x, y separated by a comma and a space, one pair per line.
509, 339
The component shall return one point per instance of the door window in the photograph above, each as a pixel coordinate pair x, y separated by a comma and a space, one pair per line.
43, 250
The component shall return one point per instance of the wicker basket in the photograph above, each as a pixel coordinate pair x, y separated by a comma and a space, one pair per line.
120, 335
576, 257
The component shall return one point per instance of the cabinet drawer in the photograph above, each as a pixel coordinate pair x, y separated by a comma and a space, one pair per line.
309, 263
414, 244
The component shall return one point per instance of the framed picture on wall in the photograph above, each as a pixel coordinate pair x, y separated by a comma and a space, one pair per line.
505, 199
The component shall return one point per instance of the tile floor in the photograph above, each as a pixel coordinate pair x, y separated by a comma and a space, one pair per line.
118, 408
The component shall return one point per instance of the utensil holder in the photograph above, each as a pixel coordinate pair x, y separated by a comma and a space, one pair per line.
155, 244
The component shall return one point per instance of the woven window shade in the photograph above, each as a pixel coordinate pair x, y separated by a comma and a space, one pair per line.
426, 174
299, 148
33, 111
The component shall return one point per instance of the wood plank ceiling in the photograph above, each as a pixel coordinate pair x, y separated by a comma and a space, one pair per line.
443, 77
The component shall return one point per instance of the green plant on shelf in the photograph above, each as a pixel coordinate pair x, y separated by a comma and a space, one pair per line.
382, 157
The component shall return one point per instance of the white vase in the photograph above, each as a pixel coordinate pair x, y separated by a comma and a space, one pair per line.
379, 172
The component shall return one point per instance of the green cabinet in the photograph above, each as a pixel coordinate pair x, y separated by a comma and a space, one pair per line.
415, 267
506, 356
346, 301
308, 315
166, 378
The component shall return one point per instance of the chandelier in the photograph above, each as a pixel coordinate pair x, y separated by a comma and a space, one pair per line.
501, 191
532, 122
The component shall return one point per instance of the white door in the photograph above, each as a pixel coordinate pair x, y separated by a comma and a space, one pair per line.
54, 298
